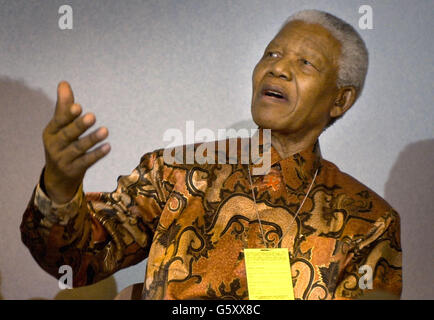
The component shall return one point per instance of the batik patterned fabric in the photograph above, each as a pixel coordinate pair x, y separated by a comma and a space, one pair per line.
193, 221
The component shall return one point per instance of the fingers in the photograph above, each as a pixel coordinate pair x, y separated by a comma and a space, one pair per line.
80, 147
83, 162
58, 122
73, 130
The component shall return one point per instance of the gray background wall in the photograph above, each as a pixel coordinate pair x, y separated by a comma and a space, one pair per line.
145, 66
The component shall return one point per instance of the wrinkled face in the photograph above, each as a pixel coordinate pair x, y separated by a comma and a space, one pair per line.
294, 83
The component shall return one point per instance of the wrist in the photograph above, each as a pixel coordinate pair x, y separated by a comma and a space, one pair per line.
58, 190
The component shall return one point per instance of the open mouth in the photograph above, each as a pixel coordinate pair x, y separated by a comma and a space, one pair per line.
274, 92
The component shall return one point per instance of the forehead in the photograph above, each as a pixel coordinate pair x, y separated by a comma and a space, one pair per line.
301, 36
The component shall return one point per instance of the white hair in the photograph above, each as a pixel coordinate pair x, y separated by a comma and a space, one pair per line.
353, 61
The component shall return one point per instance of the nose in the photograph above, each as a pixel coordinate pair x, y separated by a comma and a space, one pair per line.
281, 69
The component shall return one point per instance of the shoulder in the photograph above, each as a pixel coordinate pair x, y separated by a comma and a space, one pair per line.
361, 200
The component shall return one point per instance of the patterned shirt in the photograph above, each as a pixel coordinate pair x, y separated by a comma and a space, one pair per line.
192, 222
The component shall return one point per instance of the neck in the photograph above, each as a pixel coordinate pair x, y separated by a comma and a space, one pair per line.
288, 144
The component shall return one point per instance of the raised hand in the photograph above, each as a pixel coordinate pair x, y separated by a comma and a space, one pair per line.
66, 154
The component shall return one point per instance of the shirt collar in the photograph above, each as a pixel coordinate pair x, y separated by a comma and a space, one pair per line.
299, 166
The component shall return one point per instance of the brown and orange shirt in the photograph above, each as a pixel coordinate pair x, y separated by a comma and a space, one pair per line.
192, 222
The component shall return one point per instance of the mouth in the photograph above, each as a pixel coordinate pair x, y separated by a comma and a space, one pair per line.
274, 93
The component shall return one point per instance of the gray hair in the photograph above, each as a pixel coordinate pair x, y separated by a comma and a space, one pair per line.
353, 61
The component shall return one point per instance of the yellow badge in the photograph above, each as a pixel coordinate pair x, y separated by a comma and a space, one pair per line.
268, 274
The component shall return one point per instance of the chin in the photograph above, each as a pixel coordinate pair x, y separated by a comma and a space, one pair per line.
267, 122
271, 116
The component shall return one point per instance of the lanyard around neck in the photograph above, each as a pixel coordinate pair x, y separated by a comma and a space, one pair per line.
295, 216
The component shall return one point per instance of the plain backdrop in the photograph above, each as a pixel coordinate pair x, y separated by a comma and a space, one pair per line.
146, 66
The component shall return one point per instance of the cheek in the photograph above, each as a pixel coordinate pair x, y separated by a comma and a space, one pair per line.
257, 75
315, 91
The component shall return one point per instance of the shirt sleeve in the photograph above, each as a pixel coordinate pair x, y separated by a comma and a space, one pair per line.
375, 271
53, 212
97, 233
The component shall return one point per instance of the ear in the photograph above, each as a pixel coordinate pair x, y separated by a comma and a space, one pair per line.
345, 98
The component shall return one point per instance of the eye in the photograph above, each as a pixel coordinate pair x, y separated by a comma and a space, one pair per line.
306, 62
272, 54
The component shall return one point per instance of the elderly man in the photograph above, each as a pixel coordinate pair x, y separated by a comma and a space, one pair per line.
197, 222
